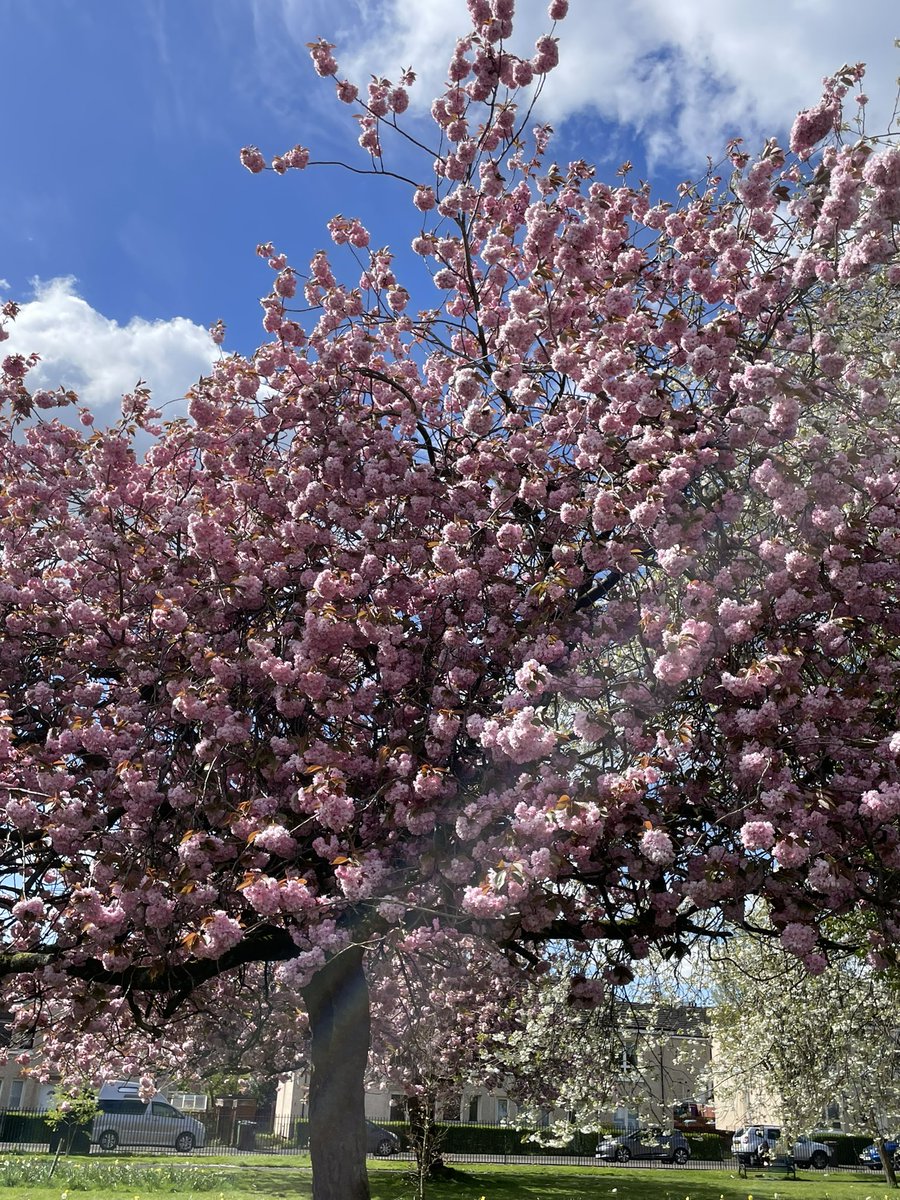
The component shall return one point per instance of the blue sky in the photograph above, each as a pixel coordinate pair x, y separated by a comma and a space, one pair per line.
129, 225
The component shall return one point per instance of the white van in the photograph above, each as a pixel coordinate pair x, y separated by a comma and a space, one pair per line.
127, 1120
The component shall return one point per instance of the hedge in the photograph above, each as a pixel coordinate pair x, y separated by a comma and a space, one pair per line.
24, 1127
705, 1147
480, 1139
459, 1138
490, 1139
845, 1147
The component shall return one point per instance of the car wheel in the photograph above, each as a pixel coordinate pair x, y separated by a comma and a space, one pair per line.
185, 1143
384, 1148
623, 1154
680, 1156
818, 1160
108, 1139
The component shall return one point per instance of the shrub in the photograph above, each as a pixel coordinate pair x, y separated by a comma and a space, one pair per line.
506, 1139
705, 1147
24, 1127
845, 1147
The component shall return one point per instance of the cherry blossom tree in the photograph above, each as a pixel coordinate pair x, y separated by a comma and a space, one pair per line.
564, 609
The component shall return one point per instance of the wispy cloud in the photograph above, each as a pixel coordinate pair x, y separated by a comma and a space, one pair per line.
100, 359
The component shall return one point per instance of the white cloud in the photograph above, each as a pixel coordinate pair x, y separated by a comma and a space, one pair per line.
100, 359
685, 75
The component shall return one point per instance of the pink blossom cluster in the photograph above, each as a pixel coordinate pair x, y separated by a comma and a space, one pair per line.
656, 846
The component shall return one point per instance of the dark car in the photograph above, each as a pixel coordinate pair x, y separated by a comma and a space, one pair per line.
380, 1141
869, 1156
645, 1143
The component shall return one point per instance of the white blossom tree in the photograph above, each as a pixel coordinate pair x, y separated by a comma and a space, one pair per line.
589, 1047
809, 1040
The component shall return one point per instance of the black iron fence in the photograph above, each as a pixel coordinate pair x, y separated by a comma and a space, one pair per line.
133, 1127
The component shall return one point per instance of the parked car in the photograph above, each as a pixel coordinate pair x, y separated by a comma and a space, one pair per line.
126, 1120
381, 1141
755, 1140
646, 1143
869, 1156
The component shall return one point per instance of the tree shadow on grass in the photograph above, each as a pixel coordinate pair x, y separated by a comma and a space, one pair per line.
548, 1183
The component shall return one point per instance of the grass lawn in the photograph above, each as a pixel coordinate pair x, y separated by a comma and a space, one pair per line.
598, 1183
142, 1181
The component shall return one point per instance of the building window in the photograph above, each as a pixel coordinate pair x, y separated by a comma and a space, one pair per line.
15, 1039
473, 1109
625, 1119
397, 1111
15, 1093
503, 1111
190, 1101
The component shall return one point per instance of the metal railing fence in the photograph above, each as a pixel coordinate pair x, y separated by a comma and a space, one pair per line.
133, 1128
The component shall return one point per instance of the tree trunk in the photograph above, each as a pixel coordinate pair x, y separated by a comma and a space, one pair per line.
425, 1139
337, 1001
887, 1162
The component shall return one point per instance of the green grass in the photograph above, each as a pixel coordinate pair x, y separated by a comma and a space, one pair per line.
390, 1181
598, 1183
